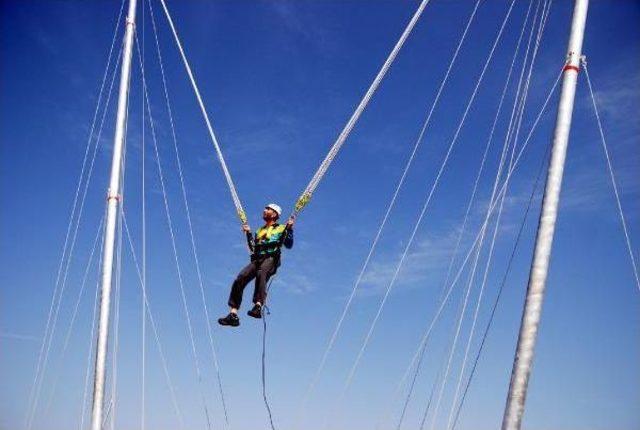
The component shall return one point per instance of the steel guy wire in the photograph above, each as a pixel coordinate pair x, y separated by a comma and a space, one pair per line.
390, 207
185, 200
175, 250
468, 209
427, 201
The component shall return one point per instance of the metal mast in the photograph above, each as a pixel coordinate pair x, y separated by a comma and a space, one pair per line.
113, 202
539, 268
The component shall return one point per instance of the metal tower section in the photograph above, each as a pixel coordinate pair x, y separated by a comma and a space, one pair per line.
539, 268
113, 202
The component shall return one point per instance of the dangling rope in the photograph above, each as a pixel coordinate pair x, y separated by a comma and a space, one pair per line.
265, 312
232, 188
611, 175
305, 197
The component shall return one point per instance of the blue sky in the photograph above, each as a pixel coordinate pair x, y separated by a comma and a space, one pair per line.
280, 80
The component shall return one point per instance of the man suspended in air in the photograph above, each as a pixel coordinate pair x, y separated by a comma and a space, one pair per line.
265, 259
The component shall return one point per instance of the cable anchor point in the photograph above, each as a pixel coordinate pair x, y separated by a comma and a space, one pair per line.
583, 60
568, 65
117, 197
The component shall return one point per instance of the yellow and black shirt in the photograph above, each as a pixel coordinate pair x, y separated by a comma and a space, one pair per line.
268, 240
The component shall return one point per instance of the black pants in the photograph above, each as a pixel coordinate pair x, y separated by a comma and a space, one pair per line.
261, 269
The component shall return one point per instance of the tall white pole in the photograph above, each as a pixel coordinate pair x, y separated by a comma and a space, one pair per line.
539, 268
113, 201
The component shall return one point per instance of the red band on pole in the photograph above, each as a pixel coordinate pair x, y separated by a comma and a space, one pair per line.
570, 67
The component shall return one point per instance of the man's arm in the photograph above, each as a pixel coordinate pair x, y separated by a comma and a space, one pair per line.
288, 239
250, 240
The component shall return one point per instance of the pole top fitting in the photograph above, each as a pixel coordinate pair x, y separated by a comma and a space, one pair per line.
130, 22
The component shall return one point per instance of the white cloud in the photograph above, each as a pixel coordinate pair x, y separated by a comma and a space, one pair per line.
306, 29
17, 336
428, 257
619, 97
295, 283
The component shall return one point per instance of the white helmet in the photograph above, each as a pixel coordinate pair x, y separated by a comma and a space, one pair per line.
275, 208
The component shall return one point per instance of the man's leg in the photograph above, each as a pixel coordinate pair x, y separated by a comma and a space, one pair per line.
265, 270
244, 277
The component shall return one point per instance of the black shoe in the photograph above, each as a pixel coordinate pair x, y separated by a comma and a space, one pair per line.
255, 312
231, 319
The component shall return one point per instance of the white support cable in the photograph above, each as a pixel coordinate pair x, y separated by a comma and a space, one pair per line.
116, 325
477, 256
85, 396
468, 210
52, 320
143, 191
344, 134
614, 184
174, 247
82, 287
501, 287
484, 156
445, 299
154, 327
430, 400
86, 190
75, 234
486, 271
232, 188
185, 200
118, 293
390, 207
543, 18
118, 273
512, 134
458, 327
31, 406
516, 118
426, 204
85, 393
107, 414
436, 383
79, 185
92, 333
74, 313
